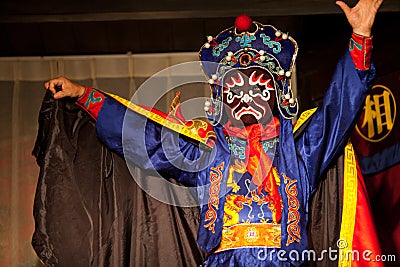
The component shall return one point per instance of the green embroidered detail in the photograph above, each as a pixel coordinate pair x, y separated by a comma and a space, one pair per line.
354, 44
271, 44
245, 40
238, 151
268, 144
218, 49
91, 99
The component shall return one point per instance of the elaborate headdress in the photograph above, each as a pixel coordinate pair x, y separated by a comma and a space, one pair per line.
241, 47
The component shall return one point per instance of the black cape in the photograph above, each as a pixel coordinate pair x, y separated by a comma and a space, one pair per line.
89, 211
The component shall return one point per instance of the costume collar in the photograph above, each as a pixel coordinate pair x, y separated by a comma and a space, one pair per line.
263, 132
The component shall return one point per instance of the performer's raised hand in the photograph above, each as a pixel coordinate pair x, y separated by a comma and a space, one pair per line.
63, 87
361, 17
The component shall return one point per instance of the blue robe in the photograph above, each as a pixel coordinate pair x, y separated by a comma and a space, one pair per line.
299, 163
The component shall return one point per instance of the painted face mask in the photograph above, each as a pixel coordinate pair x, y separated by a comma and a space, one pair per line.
248, 95
255, 47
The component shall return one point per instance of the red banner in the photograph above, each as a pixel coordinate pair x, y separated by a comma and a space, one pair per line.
376, 141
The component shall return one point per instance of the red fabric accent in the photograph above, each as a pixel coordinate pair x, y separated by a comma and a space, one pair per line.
365, 239
268, 131
243, 22
361, 56
383, 190
258, 163
213, 43
178, 113
91, 101
175, 109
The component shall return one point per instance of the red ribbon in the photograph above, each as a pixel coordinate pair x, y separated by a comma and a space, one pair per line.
258, 163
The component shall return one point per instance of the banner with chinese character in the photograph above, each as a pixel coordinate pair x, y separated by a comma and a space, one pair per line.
376, 140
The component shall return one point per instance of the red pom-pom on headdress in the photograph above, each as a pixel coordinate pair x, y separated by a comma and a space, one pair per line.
243, 22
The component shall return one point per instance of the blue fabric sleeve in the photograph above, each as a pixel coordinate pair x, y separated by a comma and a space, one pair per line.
147, 144
330, 127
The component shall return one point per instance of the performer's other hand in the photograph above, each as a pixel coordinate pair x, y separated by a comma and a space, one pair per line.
63, 87
361, 17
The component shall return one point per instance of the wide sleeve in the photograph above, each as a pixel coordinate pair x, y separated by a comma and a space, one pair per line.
142, 141
329, 128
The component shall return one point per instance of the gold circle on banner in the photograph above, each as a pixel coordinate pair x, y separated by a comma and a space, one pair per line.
379, 114
251, 234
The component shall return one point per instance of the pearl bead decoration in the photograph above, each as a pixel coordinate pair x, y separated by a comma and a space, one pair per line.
207, 105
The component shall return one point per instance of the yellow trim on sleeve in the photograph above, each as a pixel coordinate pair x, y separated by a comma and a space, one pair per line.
189, 131
303, 118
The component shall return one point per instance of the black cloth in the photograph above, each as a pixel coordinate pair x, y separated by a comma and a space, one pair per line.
325, 214
88, 209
